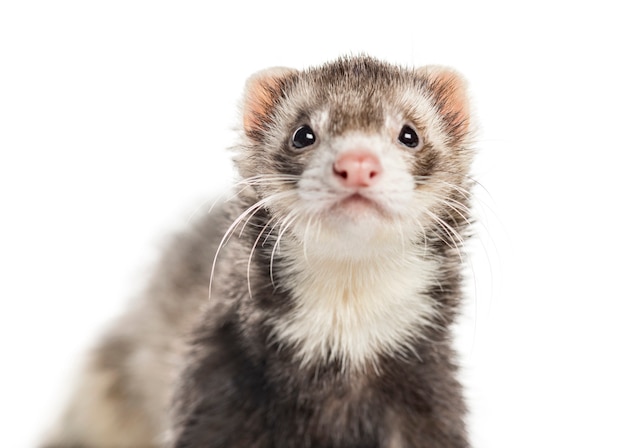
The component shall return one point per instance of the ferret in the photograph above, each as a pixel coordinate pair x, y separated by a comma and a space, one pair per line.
314, 307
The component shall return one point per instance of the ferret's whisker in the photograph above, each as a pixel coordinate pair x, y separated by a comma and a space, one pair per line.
196, 210
226, 237
398, 225
305, 238
260, 179
462, 191
272, 180
424, 237
452, 234
254, 245
229, 232
286, 222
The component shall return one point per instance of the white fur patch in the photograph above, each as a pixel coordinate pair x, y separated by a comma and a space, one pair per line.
354, 309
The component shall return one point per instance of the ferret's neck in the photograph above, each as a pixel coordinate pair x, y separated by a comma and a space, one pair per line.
352, 309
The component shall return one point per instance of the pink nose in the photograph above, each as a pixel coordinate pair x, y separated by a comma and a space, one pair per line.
357, 169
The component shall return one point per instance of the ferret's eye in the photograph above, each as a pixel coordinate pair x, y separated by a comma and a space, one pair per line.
303, 137
408, 137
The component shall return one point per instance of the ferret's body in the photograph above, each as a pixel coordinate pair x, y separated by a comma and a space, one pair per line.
314, 309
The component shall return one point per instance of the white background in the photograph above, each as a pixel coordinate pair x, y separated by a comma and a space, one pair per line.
115, 116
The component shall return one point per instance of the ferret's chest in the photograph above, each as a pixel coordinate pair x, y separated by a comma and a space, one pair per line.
333, 413
333, 410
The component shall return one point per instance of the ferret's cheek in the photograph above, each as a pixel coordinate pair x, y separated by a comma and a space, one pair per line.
313, 196
424, 165
283, 163
318, 167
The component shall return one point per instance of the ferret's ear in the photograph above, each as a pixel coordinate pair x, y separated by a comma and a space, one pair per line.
449, 92
263, 91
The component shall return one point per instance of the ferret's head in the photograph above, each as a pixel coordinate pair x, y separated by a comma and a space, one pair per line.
357, 152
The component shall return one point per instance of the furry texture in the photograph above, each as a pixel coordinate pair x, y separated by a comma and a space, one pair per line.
305, 312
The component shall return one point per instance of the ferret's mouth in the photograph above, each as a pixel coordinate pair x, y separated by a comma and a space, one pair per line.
356, 205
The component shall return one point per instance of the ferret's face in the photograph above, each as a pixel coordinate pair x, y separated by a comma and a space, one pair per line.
357, 152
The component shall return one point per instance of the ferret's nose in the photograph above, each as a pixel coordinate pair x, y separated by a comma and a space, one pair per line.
357, 169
